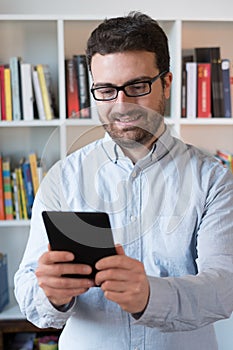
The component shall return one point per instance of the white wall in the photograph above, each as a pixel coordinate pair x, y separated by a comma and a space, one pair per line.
160, 9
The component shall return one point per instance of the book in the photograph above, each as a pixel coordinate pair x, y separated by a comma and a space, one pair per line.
72, 95
191, 90
226, 87
83, 85
16, 197
212, 55
22, 192
8, 102
185, 58
34, 172
44, 79
28, 185
204, 90
27, 92
225, 157
16, 87
2, 207
38, 95
8, 199
2, 90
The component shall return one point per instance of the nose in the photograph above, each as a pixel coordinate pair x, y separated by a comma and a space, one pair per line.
122, 97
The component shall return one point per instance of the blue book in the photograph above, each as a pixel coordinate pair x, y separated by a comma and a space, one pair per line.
226, 87
27, 179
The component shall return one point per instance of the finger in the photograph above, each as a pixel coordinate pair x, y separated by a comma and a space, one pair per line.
116, 261
52, 257
119, 249
63, 269
65, 284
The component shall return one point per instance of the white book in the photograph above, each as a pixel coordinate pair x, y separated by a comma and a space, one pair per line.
38, 95
16, 87
27, 92
191, 90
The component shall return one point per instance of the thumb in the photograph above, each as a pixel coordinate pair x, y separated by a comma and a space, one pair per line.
119, 249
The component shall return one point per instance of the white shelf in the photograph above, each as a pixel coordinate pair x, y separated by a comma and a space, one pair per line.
11, 311
14, 223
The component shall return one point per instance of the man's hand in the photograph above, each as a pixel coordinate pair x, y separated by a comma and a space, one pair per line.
123, 281
60, 290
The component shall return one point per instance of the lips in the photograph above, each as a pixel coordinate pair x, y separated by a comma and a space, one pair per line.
126, 119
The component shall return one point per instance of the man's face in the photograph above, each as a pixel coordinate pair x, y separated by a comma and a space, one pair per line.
131, 121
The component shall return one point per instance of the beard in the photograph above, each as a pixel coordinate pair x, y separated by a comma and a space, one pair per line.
133, 126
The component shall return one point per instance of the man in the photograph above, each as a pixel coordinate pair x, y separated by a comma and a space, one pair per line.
170, 208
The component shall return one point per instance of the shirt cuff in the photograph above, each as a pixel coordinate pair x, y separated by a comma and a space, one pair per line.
159, 305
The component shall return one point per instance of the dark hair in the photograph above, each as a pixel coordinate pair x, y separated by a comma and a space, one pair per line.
134, 32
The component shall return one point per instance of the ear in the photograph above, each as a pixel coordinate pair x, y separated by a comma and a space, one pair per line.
167, 84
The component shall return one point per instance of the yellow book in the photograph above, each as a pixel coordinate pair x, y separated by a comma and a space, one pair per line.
8, 100
33, 166
45, 92
22, 193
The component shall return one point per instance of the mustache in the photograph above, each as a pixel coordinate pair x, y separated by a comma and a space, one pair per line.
139, 112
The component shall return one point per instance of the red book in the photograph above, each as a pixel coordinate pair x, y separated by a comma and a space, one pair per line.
72, 95
204, 90
2, 89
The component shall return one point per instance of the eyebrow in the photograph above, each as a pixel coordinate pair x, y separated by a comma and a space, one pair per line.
131, 81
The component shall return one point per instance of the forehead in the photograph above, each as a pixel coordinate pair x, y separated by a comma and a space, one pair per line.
122, 66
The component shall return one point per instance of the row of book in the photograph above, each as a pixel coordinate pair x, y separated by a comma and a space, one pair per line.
25, 91
225, 158
78, 81
18, 187
207, 85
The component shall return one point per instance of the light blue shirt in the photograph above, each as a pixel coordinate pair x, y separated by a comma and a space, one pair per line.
172, 210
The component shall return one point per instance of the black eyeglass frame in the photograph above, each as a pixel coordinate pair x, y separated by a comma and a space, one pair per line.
122, 88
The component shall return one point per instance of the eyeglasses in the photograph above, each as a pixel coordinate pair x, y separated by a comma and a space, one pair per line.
139, 88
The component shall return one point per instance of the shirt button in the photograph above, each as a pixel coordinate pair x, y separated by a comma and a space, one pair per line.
134, 174
133, 218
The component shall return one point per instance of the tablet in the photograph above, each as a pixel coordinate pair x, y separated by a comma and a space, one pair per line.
87, 235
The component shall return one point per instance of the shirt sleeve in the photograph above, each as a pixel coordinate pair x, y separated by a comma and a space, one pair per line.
188, 302
32, 300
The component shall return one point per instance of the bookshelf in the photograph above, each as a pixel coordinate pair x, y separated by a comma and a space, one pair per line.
50, 39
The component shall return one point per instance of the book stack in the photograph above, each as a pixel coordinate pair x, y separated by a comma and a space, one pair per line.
26, 91
18, 187
78, 99
206, 84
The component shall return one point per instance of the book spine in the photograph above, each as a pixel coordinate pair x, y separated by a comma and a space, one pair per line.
27, 178
8, 200
22, 193
204, 90
191, 95
226, 88
33, 167
27, 94
83, 85
38, 95
8, 102
16, 89
72, 95
16, 200
2, 84
2, 207
45, 92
